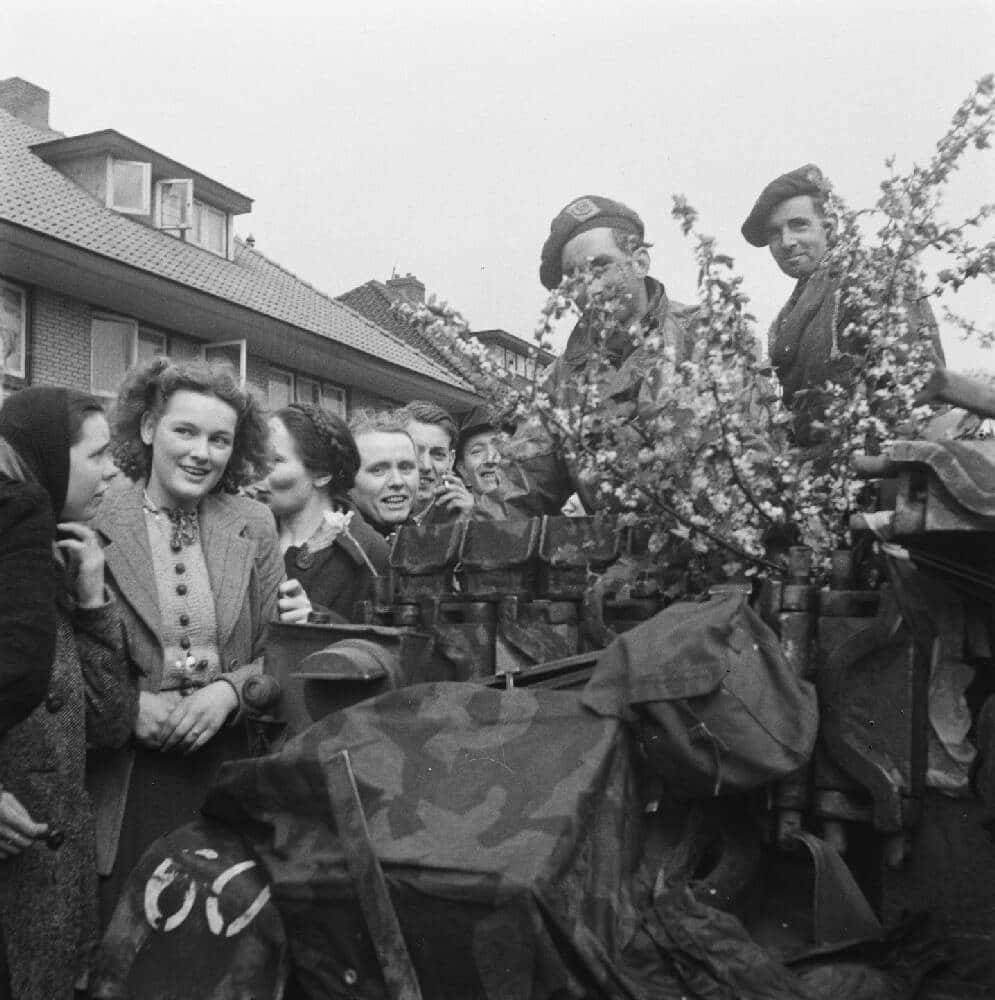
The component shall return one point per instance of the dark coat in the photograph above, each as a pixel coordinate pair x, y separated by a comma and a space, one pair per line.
27, 605
808, 347
243, 559
48, 896
337, 578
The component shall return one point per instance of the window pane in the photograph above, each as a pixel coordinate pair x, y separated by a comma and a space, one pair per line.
12, 321
130, 186
334, 400
214, 237
280, 390
308, 391
111, 353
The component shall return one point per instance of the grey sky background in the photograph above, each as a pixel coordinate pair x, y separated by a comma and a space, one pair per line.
440, 138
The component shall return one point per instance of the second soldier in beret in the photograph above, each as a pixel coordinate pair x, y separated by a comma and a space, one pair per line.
789, 218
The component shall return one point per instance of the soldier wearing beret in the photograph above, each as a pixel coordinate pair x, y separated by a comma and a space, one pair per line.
789, 218
607, 237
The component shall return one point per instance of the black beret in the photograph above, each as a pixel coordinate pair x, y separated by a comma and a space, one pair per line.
588, 212
479, 419
803, 180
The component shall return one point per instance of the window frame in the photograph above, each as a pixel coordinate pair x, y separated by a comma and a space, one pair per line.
132, 349
20, 371
272, 371
300, 381
146, 208
242, 354
188, 202
341, 399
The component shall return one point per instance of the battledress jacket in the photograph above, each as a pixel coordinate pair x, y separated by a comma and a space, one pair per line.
807, 346
538, 479
239, 540
48, 895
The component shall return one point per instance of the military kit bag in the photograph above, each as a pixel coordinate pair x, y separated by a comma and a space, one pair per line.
715, 704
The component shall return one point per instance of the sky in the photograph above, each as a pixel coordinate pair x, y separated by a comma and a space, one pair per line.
440, 138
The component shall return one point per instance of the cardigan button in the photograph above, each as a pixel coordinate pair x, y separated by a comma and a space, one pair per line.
184, 643
184, 620
180, 568
181, 589
54, 702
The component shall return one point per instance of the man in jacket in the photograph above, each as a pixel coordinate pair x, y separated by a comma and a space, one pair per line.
789, 219
442, 495
606, 239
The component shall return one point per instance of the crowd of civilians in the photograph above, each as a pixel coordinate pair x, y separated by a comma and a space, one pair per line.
142, 555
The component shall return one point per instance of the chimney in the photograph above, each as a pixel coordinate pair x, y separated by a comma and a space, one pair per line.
25, 101
408, 288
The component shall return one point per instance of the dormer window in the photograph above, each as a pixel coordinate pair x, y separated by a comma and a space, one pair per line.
151, 188
174, 204
129, 187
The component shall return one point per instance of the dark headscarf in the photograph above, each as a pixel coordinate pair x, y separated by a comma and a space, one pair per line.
35, 422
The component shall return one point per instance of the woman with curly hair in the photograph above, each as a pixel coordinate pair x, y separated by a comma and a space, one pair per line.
196, 569
328, 547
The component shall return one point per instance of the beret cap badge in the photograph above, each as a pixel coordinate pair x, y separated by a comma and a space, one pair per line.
582, 209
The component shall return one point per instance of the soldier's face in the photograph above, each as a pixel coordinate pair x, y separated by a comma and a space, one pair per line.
798, 236
615, 272
481, 460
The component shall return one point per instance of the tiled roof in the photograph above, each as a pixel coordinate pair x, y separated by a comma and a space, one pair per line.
375, 302
37, 197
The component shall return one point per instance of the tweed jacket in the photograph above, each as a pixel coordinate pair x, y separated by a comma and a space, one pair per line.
48, 897
238, 536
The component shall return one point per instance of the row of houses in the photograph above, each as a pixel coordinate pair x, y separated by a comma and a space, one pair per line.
111, 252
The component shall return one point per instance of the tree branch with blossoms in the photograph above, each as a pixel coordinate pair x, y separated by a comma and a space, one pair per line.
701, 454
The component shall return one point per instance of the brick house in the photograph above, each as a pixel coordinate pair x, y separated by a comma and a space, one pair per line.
111, 252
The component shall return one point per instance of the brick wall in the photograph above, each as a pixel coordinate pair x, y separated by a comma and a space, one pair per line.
59, 350
59, 340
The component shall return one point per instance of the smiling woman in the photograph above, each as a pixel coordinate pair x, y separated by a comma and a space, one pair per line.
197, 569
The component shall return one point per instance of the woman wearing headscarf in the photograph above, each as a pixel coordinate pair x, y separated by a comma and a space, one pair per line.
59, 443
327, 546
196, 569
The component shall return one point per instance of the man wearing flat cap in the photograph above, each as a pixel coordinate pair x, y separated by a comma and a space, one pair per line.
606, 238
789, 218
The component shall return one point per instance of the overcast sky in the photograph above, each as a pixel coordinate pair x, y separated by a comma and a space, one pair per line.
440, 138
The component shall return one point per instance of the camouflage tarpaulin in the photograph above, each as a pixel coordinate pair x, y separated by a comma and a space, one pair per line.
506, 824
